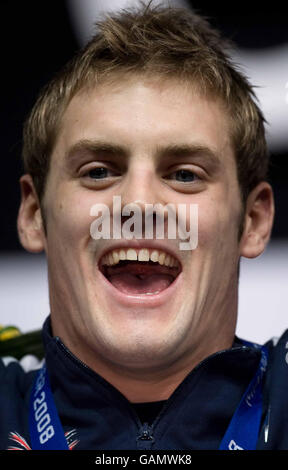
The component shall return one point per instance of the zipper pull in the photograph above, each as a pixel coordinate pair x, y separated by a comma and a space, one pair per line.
145, 439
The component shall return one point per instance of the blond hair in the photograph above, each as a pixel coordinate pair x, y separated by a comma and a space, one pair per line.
155, 40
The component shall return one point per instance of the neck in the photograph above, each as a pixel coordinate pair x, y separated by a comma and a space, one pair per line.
151, 384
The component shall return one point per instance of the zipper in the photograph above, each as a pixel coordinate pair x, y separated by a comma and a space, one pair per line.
145, 439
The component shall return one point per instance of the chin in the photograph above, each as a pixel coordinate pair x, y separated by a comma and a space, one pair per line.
139, 344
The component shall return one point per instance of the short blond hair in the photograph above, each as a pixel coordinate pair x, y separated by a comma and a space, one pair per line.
155, 40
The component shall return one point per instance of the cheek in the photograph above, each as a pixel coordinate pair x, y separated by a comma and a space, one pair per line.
68, 220
218, 227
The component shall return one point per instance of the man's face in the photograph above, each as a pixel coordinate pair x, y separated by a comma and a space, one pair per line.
140, 318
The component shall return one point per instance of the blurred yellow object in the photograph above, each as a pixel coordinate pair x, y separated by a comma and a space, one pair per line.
8, 332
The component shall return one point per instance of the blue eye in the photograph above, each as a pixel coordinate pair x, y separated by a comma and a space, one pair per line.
98, 173
185, 176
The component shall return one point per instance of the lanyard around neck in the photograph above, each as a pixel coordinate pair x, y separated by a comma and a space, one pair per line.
46, 431
243, 430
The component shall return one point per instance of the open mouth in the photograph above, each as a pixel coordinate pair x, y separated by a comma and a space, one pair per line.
142, 271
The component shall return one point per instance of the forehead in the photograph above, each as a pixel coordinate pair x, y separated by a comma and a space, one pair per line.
142, 114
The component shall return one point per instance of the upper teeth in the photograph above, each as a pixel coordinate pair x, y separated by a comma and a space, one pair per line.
115, 256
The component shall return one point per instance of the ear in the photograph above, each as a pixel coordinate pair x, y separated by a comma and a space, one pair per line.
29, 221
259, 216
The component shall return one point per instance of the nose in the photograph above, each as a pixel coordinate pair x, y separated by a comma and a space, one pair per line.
141, 186
141, 182
142, 195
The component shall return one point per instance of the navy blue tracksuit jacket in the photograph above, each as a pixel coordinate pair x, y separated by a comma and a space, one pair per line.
96, 416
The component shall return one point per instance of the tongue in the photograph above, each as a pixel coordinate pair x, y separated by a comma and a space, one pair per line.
131, 284
140, 279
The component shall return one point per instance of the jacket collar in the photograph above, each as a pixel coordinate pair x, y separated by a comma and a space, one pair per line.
202, 404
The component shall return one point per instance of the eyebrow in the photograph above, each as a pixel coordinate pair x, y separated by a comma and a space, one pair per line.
187, 150
96, 146
171, 150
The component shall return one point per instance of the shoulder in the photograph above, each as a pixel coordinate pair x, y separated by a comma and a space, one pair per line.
16, 379
275, 431
278, 357
26, 364
277, 372
278, 348
17, 374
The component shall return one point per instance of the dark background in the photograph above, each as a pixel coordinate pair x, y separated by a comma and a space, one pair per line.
37, 38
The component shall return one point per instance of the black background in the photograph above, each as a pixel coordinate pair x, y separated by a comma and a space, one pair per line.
37, 38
